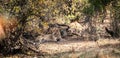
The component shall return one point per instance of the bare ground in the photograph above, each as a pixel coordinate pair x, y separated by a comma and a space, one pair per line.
104, 48
73, 46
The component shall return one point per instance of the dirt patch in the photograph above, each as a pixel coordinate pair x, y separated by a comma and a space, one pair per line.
105, 48
66, 46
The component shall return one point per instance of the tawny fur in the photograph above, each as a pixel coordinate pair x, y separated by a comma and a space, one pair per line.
6, 26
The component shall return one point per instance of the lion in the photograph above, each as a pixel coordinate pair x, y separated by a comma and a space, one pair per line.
6, 26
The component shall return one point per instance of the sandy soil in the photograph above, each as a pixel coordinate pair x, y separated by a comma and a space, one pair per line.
104, 48
74, 46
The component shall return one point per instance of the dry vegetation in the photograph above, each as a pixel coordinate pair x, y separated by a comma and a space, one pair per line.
60, 28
